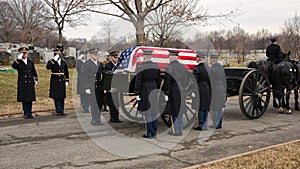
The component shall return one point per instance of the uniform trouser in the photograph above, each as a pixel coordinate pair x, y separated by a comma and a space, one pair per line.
27, 107
113, 110
96, 114
84, 102
217, 117
202, 119
178, 123
151, 120
59, 105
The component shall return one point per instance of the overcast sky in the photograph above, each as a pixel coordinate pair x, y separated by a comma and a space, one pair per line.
256, 14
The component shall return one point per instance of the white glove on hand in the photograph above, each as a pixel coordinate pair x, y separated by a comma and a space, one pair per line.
166, 98
56, 57
35, 82
88, 91
138, 98
193, 95
67, 83
20, 56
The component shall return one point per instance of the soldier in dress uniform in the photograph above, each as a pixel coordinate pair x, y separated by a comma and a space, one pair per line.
273, 51
92, 85
218, 91
201, 74
147, 81
176, 80
27, 79
80, 79
111, 96
59, 81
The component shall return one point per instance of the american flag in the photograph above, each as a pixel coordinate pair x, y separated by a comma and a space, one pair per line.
132, 57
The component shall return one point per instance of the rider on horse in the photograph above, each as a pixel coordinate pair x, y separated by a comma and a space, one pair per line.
274, 51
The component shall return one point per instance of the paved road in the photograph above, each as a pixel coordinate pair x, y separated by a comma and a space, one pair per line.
62, 142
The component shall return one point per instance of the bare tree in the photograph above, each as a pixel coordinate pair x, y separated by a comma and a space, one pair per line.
71, 12
8, 23
291, 35
108, 30
133, 11
31, 18
172, 13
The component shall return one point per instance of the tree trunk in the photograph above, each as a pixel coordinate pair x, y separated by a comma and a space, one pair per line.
140, 32
60, 37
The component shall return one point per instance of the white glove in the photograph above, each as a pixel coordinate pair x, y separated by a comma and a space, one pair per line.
35, 82
67, 83
20, 56
56, 57
193, 94
88, 91
138, 98
166, 98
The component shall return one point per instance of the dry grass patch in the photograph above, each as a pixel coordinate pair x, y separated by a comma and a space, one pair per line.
279, 157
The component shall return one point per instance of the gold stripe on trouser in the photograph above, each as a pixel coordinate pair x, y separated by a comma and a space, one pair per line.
144, 117
58, 74
173, 129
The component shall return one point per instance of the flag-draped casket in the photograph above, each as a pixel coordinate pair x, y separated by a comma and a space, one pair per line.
129, 60
132, 57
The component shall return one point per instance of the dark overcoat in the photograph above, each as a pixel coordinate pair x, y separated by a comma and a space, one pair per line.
273, 52
78, 66
148, 79
203, 81
218, 86
175, 83
26, 76
89, 72
59, 76
111, 97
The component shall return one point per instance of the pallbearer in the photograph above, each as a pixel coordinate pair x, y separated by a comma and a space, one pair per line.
146, 88
59, 81
176, 80
27, 79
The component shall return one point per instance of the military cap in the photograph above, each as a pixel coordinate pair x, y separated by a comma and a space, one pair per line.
60, 46
173, 53
57, 51
214, 56
147, 52
273, 38
200, 54
23, 50
93, 51
114, 53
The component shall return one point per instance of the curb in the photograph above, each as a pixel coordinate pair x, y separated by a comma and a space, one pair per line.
35, 114
240, 155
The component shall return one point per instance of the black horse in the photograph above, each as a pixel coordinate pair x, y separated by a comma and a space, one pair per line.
285, 79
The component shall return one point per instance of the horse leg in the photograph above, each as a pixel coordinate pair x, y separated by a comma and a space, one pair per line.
283, 96
296, 98
289, 111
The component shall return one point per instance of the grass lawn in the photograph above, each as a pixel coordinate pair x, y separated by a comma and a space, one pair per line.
282, 157
8, 94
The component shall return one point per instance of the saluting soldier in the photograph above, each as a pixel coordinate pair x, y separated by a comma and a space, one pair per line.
176, 80
201, 74
80, 80
113, 104
147, 81
59, 81
273, 51
92, 84
27, 79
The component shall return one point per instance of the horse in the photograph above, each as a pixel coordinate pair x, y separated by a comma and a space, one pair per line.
285, 74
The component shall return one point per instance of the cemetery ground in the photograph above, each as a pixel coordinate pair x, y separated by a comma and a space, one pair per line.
48, 141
